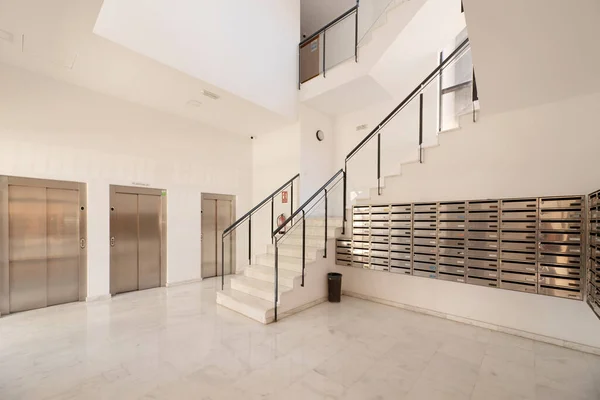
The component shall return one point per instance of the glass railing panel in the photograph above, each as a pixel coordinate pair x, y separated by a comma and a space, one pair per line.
340, 42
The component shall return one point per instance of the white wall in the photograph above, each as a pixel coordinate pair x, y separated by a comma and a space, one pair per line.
279, 155
316, 157
548, 54
275, 160
52, 130
562, 319
540, 151
248, 48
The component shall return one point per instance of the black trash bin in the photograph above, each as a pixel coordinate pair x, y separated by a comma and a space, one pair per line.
334, 284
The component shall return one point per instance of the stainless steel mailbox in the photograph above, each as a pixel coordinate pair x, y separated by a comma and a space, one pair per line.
532, 245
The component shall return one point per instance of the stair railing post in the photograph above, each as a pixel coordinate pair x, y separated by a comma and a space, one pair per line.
299, 66
324, 66
272, 217
325, 251
303, 245
250, 240
379, 163
292, 199
222, 262
356, 32
345, 196
421, 128
276, 276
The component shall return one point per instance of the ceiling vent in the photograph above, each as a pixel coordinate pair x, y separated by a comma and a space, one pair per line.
362, 127
211, 95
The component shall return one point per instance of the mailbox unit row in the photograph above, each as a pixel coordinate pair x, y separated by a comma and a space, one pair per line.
532, 245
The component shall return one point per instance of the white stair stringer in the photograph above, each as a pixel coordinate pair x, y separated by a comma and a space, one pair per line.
252, 292
371, 195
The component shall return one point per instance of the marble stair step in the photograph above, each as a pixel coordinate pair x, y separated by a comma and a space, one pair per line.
293, 250
314, 231
311, 241
334, 222
251, 306
285, 262
267, 274
255, 287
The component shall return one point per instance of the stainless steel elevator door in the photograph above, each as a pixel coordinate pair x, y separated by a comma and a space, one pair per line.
149, 241
62, 245
125, 249
209, 238
27, 247
217, 215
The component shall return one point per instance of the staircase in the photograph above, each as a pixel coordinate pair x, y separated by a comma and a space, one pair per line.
291, 275
372, 194
252, 291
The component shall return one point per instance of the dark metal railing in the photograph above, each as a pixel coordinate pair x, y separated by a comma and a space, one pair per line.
300, 216
248, 217
418, 91
349, 12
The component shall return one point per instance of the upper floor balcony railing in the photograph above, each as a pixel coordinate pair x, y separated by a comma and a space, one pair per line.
339, 39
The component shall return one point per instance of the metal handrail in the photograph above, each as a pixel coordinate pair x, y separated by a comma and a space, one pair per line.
248, 216
307, 202
329, 25
409, 98
259, 206
302, 209
323, 30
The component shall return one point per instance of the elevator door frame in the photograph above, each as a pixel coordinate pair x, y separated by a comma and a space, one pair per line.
232, 235
114, 189
5, 182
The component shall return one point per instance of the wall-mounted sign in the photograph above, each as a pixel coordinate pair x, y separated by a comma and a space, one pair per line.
314, 45
284, 197
140, 184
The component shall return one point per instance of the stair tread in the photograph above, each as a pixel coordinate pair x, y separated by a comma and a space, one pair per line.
248, 300
296, 246
258, 284
283, 273
284, 259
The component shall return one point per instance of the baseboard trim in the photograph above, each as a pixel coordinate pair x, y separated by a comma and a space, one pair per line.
298, 309
180, 283
102, 297
499, 328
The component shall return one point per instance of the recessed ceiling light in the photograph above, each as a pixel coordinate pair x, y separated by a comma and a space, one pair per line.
211, 95
194, 103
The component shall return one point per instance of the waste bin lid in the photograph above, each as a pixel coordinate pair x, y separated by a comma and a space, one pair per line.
334, 275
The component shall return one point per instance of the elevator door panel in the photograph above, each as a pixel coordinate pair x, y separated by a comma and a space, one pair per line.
62, 222
209, 238
224, 220
27, 247
149, 241
126, 243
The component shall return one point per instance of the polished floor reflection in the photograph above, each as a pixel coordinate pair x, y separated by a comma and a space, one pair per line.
177, 343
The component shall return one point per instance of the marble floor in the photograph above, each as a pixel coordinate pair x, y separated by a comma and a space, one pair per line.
177, 344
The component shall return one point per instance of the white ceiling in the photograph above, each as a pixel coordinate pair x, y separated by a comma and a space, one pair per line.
344, 99
317, 13
55, 38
